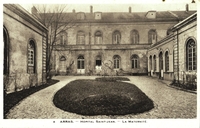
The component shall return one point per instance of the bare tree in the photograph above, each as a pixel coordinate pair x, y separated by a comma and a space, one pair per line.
55, 18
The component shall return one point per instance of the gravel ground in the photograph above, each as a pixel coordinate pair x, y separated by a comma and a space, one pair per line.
169, 102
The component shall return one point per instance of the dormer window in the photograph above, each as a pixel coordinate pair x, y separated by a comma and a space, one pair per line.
151, 15
97, 15
80, 16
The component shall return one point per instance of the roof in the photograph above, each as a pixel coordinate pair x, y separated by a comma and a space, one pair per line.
20, 11
177, 26
120, 17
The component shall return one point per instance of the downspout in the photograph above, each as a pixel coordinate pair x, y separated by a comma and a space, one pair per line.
178, 55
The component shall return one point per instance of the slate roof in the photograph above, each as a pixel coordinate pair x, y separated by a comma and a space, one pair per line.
115, 17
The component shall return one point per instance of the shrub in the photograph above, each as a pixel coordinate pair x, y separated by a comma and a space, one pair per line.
90, 97
112, 79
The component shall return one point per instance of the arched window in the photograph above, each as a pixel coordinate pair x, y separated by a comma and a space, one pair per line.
154, 61
31, 56
134, 37
98, 37
161, 61
116, 61
152, 36
80, 37
135, 61
6, 51
191, 55
80, 63
150, 63
116, 37
166, 61
63, 38
62, 63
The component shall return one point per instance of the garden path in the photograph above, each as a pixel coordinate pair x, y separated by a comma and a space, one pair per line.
169, 102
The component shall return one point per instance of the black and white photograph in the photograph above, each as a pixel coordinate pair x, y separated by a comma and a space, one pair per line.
100, 64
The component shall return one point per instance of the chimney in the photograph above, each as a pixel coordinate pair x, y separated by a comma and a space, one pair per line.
91, 9
187, 7
73, 11
129, 9
34, 10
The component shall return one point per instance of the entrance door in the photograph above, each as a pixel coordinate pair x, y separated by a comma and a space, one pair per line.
80, 65
62, 65
98, 64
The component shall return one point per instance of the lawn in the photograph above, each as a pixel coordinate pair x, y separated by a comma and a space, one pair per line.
10, 100
102, 97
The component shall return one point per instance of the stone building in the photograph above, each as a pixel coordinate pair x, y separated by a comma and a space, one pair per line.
112, 43
24, 49
175, 56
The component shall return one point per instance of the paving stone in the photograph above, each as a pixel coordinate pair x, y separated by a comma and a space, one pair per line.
169, 102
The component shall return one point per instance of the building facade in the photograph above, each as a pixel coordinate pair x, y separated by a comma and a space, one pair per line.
175, 56
24, 49
102, 43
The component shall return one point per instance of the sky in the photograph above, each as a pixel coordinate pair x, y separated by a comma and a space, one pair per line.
120, 5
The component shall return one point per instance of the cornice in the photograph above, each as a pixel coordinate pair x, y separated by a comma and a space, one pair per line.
17, 9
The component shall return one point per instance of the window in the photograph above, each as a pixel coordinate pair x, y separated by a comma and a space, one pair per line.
154, 58
116, 61
62, 63
116, 37
152, 36
97, 15
31, 57
134, 60
81, 37
98, 60
166, 61
63, 38
5, 62
150, 63
80, 16
98, 37
191, 54
134, 37
161, 61
80, 62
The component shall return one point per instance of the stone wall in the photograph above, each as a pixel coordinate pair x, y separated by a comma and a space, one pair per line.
165, 45
107, 49
20, 31
185, 33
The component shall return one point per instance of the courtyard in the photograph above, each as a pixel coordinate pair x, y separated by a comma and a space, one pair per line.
168, 102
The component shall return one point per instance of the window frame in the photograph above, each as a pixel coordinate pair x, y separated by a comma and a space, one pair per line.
154, 65
191, 62
160, 60
98, 38
152, 36
117, 62
80, 37
166, 61
80, 62
63, 38
6, 51
134, 61
31, 57
150, 62
134, 37
116, 37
